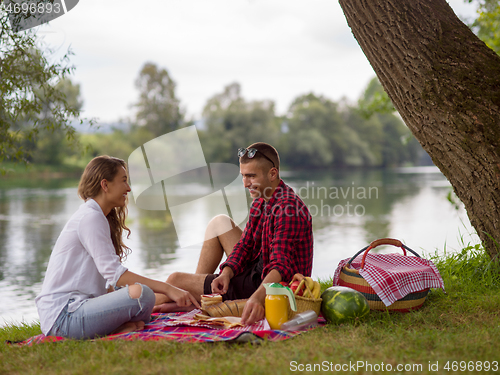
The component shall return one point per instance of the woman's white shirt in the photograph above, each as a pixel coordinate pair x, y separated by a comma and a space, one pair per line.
83, 264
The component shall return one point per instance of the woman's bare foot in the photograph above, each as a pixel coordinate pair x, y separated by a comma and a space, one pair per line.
129, 327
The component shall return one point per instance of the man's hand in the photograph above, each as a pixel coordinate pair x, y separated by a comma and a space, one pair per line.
221, 283
254, 309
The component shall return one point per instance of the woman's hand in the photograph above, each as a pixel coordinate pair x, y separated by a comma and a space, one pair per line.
181, 297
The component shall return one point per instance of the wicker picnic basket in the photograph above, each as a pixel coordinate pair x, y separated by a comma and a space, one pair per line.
304, 304
351, 278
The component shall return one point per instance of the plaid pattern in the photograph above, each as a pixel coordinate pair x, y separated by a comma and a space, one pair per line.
162, 328
394, 276
282, 229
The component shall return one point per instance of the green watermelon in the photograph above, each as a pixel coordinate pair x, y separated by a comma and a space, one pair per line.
341, 304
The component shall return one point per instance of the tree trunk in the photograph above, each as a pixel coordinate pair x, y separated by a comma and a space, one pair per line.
445, 83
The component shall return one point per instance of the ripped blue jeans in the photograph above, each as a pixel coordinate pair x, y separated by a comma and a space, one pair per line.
101, 315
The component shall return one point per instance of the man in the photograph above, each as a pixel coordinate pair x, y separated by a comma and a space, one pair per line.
277, 241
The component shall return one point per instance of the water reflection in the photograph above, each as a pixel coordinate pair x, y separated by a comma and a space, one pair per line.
362, 200
349, 208
157, 237
31, 220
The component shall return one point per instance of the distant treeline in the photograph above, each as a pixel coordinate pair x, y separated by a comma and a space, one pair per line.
316, 132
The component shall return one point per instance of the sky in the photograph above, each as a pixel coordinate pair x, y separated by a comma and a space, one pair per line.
275, 49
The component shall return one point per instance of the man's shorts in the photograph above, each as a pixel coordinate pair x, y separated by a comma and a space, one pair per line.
242, 285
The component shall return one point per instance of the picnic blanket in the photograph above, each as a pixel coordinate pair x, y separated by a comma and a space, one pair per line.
393, 276
168, 326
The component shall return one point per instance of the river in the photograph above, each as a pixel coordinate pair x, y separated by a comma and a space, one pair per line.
349, 209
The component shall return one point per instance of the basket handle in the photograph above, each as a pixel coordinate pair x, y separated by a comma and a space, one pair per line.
382, 241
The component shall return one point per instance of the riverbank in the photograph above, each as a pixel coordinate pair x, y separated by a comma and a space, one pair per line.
18, 175
21, 170
459, 329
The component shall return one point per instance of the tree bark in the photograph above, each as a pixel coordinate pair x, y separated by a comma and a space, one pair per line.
445, 83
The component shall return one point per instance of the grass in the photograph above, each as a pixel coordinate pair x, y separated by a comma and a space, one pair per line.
462, 324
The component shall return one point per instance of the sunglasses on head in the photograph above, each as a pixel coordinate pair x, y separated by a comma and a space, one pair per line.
251, 153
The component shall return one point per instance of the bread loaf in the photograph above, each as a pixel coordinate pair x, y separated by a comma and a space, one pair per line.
226, 308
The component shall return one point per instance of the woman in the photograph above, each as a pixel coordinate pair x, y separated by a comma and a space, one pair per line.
85, 264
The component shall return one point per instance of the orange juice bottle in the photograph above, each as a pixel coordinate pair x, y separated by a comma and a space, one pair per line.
278, 297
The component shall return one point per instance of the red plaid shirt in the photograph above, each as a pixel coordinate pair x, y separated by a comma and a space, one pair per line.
282, 230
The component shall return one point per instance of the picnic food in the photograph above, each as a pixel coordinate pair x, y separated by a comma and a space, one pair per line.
226, 308
305, 286
341, 304
294, 286
210, 299
317, 290
227, 322
204, 320
314, 290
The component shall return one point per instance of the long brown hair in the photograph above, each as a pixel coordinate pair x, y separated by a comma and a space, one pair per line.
105, 168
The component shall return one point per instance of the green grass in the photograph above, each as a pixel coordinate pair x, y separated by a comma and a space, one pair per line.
462, 324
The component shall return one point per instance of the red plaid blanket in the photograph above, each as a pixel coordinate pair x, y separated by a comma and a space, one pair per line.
162, 327
393, 276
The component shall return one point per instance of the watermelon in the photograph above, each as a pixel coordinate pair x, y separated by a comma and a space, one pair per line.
341, 304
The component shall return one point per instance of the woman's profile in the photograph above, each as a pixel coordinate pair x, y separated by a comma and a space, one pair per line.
87, 292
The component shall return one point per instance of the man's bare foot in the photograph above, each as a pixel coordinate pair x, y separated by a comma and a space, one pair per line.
172, 307
129, 327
